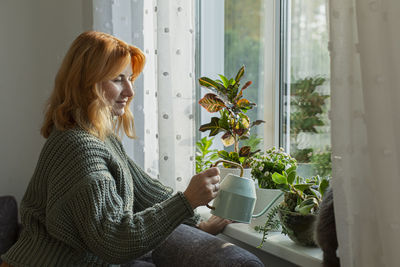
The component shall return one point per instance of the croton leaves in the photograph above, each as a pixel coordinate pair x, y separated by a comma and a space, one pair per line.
213, 127
230, 156
239, 74
240, 132
245, 104
257, 122
247, 84
245, 151
227, 139
209, 83
211, 103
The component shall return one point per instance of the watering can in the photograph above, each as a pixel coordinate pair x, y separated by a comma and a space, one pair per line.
236, 197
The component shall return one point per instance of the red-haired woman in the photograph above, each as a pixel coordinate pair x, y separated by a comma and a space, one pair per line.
88, 203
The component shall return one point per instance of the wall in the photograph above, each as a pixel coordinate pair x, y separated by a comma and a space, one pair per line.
34, 36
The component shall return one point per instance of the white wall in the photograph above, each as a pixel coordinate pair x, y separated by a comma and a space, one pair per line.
34, 36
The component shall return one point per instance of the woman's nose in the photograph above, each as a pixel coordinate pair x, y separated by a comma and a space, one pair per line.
128, 89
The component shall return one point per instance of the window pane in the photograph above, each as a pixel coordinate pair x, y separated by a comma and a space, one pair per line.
306, 127
243, 46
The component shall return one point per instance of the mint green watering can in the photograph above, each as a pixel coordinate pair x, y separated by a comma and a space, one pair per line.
236, 197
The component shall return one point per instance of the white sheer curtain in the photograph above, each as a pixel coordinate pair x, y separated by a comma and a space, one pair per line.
365, 91
165, 94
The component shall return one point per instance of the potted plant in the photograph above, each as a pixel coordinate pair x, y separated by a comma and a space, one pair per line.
297, 212
226, 98
263, 166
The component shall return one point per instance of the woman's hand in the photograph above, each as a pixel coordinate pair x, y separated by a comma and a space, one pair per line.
203, 187
214, 225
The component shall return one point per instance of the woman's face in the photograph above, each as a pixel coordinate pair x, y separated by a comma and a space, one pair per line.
119, 90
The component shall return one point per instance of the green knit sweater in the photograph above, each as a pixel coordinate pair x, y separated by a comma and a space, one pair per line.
89, 204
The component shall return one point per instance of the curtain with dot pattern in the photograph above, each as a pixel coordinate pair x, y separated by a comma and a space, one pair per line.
173, 70
365, 95
164, 100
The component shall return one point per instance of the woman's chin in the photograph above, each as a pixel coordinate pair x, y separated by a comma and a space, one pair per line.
118, 112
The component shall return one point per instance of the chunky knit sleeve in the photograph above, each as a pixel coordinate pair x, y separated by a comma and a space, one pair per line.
115, 233
149, 191
90, 197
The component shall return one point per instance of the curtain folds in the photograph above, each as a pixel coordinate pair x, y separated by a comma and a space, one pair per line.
164, 103
365, 67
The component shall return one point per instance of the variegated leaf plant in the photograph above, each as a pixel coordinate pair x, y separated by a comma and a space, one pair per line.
227, 99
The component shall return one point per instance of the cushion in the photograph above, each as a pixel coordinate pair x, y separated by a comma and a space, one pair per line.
8, 223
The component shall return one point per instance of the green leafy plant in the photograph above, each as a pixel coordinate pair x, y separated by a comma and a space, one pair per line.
204, 155
301, 195
226, 97
264, 165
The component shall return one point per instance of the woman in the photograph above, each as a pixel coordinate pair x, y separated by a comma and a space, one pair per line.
88, 203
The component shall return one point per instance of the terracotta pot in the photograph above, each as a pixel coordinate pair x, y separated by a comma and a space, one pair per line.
300, 227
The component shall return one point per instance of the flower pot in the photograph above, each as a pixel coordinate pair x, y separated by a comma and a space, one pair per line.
264, 197
300, 227
224, 171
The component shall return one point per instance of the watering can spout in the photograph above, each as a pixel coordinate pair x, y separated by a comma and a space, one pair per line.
267, 207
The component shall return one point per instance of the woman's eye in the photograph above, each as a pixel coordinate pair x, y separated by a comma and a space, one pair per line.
119, 79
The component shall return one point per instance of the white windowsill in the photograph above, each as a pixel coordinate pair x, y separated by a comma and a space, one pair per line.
276, 244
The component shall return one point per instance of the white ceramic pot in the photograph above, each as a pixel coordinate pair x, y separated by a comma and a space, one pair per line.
264, 197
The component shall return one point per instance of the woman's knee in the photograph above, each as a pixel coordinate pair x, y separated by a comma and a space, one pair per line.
188, 246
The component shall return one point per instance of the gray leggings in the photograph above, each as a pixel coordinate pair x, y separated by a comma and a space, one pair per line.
189, 246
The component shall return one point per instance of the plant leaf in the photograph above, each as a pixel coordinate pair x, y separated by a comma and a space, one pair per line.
303, 187
239, 74
224, 80
227, 139
213, 127
257, 122
211, 103
279, 178
323, 186
244, 104
247, 84
244, 151
291, 176
209, 83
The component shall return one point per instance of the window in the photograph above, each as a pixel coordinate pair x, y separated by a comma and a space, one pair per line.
304, 85
284, 47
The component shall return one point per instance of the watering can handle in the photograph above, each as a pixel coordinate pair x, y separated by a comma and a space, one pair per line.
229, 162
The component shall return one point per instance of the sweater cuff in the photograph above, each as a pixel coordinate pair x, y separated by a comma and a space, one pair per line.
177, 208
187, 203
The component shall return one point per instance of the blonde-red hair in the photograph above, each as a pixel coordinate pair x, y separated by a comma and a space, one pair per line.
77, 99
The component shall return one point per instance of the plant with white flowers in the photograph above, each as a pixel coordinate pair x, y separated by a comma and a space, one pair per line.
265, 164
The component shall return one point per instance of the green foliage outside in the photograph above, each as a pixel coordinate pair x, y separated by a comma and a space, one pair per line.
242, 47
308, 112
204, 155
